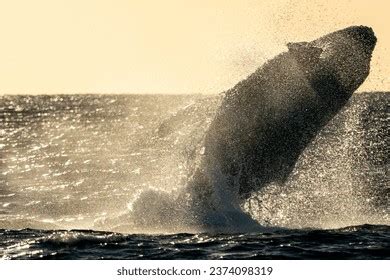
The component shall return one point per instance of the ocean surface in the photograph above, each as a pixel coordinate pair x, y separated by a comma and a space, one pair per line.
97, 177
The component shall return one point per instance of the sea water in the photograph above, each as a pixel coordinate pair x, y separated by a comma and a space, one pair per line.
97, 176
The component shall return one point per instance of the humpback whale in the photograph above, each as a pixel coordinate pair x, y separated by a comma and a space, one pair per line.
265, 121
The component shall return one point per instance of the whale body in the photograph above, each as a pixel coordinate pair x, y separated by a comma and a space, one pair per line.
265, 122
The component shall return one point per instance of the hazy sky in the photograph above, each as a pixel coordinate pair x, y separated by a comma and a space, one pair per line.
109, 46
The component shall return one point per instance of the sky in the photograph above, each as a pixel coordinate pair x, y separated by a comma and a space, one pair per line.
170, 46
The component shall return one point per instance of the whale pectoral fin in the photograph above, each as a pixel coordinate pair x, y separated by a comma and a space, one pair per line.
305, 54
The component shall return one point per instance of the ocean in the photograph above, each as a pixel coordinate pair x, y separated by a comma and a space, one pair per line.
97, 177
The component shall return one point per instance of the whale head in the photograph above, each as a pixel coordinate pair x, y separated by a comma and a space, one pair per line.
337, 63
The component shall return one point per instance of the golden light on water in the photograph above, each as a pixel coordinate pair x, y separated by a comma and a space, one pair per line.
56, 46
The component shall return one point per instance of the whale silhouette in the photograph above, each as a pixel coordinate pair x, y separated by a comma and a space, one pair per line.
265, 122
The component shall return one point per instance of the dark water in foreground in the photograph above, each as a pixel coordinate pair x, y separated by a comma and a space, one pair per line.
107, 164
360, 242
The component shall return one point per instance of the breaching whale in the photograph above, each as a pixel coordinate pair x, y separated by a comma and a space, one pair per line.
265, 121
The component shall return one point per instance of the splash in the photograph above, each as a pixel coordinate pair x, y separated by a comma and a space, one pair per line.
334, 183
